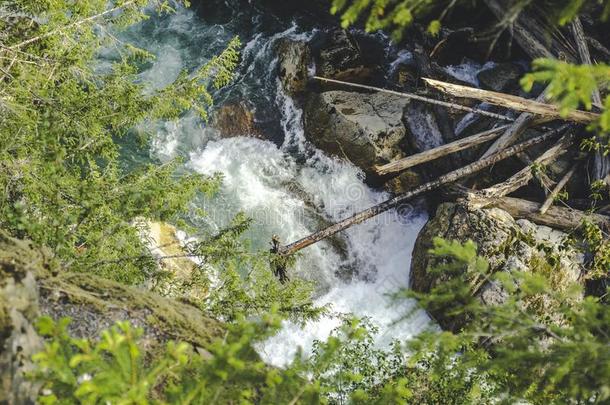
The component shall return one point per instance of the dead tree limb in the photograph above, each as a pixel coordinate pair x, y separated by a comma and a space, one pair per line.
440, 151
585, 56
556, 217
601, 163
530, 31
525, 175
551, 198
435, 184
511, 134
513, 102
419, 98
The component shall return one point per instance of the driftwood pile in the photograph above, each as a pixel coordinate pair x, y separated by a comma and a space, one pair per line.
560, 137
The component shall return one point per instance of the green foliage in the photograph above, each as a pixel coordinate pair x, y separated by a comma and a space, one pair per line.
62, 117
598, 247
117, 369
395, 15
552, 357
509, 352
385, 14
65, 117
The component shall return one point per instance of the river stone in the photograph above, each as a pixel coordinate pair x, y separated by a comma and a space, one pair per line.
341, 58
235, 119
507, 244
365, 129
500, 77
294, 58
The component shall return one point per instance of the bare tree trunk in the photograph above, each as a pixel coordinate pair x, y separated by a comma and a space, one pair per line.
551, 198
442, 180
419, 98
513, 102
601, 163
525, 175
440, 151
566, 219
513, 132
531, 32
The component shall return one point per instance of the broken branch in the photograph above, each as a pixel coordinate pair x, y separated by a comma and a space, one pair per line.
525, 175
513, 102
440, 151
391, 203
419, 98
564, 180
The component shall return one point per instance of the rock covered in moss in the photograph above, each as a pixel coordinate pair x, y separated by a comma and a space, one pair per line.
32, 284
507, 245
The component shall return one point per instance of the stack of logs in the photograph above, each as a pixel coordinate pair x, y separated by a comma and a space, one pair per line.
532, 113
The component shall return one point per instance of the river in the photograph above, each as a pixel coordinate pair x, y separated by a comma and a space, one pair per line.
284, 183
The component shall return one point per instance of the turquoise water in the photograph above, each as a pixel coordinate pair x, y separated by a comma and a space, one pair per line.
285, 184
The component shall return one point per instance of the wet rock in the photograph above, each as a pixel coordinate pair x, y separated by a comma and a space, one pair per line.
507, 245
341, 58
294, 58
235, 120
365, 129
405, 181
501, 77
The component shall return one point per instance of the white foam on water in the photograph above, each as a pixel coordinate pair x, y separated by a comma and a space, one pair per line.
292, 191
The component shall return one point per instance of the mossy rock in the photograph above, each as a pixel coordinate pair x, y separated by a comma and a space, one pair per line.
506, 244
33, 284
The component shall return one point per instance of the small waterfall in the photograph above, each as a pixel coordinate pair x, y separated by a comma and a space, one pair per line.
288, 188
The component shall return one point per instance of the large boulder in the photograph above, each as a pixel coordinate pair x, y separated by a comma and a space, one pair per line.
32, 284
365, 129
235, 119
500, 77
342, 58
294, 58
506, 244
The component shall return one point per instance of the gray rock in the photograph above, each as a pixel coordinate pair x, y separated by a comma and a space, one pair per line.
341, 58
500, 77
365, 129
508, 245
294, 58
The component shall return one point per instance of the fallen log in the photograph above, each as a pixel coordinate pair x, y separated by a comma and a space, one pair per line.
440, 151
511, 134
601, 163
419, 98
566, 219
513, 102
525, 175
551, 198
533, 33
435, 184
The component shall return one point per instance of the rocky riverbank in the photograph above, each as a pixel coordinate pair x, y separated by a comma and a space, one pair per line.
370, 129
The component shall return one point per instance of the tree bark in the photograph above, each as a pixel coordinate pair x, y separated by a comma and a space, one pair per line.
551, 198
511, 134
531, 32
525, 175
566, 219
601, 163
389, 204
440, 151
513, 102
417, 97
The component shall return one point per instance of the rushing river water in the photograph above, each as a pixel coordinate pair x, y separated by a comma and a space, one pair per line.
284, 183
